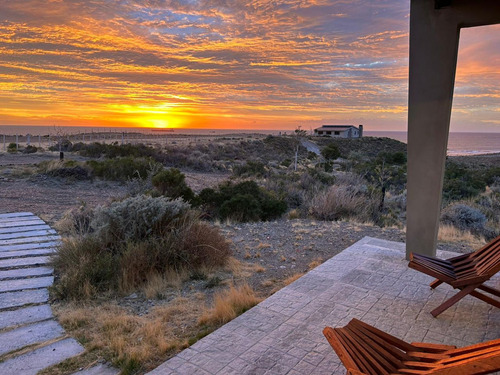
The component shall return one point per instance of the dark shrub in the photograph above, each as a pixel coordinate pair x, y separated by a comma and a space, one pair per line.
461, 182
30, 149
121, 169
245, 201
330, 152
77, 172
171, 183
12, 147
241, 207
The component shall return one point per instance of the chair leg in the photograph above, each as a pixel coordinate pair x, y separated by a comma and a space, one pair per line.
490, 290
485, 298
450, 302
436, 283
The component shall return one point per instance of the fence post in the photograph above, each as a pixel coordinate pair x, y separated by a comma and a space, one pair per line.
17, 142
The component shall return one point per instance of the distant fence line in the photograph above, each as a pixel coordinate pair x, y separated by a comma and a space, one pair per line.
50, 140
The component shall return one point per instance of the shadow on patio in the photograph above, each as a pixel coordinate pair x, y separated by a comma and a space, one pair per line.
370, 281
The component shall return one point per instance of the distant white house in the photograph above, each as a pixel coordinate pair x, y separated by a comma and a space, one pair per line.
339, 131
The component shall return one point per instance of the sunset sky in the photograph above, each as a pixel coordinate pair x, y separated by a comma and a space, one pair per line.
256, 64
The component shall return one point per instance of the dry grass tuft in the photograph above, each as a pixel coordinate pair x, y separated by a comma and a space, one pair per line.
282, 283
449, 233
157, 283
293, 214
315, 263
242, 270
263, 245
229, 304
133, 343
292, 278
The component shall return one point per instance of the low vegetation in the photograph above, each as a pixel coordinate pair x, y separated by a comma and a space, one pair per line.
120, 247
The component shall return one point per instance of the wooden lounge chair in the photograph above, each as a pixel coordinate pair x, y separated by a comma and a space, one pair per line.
366, 350
466, 272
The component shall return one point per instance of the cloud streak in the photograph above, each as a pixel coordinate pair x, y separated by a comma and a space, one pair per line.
224, 63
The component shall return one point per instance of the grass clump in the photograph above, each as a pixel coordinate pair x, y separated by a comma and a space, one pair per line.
229, 304
129, 242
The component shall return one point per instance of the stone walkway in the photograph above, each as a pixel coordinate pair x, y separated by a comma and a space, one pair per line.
30, 338
369, 281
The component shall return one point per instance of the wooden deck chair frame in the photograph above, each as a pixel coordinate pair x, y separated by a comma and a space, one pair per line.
467, 272
366, 350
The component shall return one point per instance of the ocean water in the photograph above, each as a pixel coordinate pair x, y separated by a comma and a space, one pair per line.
458, 143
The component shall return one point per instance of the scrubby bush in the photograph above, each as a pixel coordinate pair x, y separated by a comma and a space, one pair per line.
171, 183
121, 169
96, 150
245, 201
250, 168
464, 217
132, 240
342, 201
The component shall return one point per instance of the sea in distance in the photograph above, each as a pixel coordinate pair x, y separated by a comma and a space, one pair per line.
459, 143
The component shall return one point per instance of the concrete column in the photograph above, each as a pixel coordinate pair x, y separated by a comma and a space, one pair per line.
433, 57
434, 36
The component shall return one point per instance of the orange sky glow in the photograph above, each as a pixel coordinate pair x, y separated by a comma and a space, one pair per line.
254, 64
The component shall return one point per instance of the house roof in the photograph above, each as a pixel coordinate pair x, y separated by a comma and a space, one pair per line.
335, 128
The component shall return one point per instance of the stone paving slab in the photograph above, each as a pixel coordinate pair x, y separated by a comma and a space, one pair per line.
25, 315
15, 299
22, 262
22, 284
38, 239
30, 338
32, 362
19, 219
31, 334
15, 214
17, 223
25, 272
24, 234
29, 246
370, 281
24, 253
24, 229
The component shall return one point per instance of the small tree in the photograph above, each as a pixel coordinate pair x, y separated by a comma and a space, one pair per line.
298, 134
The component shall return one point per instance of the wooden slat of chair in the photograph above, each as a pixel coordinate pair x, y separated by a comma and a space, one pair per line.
337, 344
403, 345
431, 348
434, 263
475, 347
377, 364
439, 270
485, 364
362, 362
466, 271
362, 350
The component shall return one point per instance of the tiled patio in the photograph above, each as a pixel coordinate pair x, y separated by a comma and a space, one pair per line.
370, 281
